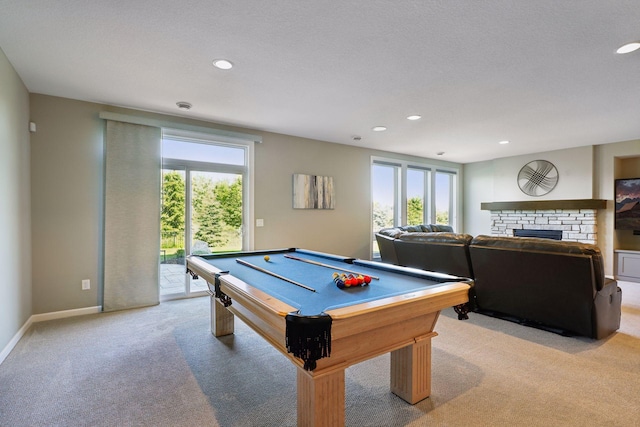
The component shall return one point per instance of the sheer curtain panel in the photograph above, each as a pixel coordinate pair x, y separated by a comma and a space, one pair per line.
132, 215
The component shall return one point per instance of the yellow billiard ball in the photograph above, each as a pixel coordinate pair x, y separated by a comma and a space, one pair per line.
266, 258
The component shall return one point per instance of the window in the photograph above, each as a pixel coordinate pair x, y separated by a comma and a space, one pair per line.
411, 193
444, 198
385, 179
418, 205
205, 197
200, 151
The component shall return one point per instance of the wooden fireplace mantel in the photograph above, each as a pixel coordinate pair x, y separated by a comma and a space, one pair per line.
545, 204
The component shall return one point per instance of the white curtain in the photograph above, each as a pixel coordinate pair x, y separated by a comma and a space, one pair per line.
132, 215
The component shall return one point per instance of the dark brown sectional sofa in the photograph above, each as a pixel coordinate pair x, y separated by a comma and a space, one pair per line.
387, 236
554, 285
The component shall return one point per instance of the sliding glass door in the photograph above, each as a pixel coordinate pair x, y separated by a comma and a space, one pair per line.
203, 209
172, 223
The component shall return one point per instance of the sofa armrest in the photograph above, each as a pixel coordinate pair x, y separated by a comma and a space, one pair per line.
390, 232
607, 309
387, 248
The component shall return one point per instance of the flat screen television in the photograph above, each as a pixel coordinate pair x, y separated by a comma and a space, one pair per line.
628, 204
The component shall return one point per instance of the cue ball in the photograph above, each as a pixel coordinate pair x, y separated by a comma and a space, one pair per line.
266, 258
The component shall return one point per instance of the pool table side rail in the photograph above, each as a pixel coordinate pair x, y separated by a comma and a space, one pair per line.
409, 271
448, 295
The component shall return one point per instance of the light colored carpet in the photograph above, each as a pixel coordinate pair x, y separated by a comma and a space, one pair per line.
160, 366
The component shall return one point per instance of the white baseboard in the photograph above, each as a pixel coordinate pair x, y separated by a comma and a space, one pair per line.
65, 313
41, 318
7, 349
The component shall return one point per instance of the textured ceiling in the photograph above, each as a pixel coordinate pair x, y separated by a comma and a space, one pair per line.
542, 74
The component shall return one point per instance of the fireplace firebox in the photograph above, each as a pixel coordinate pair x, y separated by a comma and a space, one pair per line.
545, 234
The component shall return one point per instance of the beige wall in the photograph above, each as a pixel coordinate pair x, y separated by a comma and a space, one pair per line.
496, 181
15, 222
478, 188
575, 171
585, 173
67, 203
343, 230
67, 175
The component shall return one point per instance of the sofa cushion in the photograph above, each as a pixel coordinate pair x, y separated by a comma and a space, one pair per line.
391, 232
413, 228
439, 228
420, 228
535, 244
438, 237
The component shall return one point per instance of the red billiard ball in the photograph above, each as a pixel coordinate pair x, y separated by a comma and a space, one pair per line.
367, 279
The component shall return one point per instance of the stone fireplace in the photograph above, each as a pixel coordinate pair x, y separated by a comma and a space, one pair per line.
576, 219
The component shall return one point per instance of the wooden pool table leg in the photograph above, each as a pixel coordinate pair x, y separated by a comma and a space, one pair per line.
411, 370
221, 319
320, 399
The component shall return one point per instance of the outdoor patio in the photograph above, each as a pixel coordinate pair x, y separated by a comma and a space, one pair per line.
172, 280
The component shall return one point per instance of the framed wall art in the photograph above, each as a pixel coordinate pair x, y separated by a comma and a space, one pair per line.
538, 178
313, 192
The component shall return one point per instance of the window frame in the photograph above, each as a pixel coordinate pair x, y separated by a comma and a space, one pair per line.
428, 191
429, 209
246, 170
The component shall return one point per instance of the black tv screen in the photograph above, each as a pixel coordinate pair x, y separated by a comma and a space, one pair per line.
628, 204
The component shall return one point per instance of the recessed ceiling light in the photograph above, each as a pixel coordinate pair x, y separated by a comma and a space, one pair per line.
414, 117
379, 128
223, 64
440, 153
629, 47
356, 137
505, 142
184, 105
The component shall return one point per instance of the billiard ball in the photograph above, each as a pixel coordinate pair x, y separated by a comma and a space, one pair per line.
266, 258
338, 281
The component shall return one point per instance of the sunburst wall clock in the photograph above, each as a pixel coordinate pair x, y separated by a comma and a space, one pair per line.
538, 178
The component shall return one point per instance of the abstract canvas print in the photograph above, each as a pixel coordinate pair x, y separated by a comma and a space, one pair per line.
313, 192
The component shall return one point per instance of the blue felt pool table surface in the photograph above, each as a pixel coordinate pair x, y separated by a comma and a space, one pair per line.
392, 280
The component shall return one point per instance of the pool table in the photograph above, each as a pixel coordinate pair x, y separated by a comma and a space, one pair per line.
292, 301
